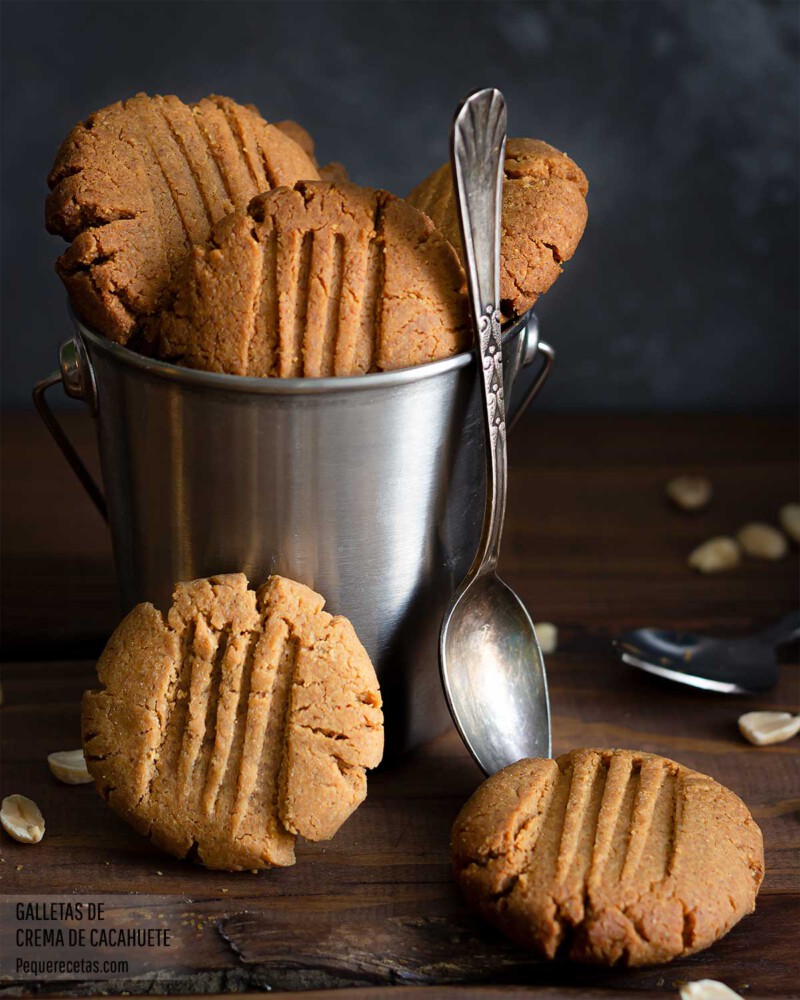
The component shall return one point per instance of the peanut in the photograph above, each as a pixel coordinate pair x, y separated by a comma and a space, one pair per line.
22, 819
790, 520
762, 541
689, 492
716, 555
69, 766
547, 634
707, 989
763, 728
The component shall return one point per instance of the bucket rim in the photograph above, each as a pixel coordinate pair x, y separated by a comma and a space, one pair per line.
283, 386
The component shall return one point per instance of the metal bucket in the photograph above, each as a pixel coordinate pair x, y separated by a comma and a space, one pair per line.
369, 489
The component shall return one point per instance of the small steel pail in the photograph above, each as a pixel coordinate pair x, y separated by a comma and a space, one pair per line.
369, 489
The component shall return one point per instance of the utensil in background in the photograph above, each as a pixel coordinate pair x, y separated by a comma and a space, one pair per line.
732, 666
491, 665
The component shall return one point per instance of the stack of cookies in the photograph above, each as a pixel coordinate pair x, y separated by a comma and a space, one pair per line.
203, 235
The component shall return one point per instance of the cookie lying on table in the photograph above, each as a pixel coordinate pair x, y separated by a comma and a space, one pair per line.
544, 215
608, 856
242, 720
141, 181
319, 279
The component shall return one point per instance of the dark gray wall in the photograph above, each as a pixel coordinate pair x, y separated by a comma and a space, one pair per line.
684, 115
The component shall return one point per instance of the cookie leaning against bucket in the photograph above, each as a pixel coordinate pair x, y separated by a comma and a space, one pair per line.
319, 279
141, 181
239, 722
544, 215
608, 856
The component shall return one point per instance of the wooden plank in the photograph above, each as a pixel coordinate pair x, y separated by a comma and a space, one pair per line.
57, 583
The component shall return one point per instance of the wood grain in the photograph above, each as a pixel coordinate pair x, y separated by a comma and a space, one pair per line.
591, 545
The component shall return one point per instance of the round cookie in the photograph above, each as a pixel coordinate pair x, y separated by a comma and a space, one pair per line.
544, 215
320, 279
141, 181
608, 856
243, 719
300, 135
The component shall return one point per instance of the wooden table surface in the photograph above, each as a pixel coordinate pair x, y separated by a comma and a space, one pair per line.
592, 545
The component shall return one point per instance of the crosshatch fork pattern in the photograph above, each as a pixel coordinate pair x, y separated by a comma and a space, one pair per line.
612, 856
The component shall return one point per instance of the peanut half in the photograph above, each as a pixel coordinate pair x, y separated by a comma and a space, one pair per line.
716, 555
22, 819
708, 989
762, 541
69, 766
547, 634
790, 520
689, 492
763, 728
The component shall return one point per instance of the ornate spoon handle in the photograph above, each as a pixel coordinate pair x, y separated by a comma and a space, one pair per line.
477, 150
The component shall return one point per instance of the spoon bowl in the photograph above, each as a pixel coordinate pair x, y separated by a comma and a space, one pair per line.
493, 674
730, 666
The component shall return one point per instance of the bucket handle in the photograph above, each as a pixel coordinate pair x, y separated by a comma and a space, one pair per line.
532, 348
77, 378
548, 357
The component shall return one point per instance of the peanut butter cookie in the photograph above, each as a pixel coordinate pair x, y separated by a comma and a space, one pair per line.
316, 280
242, 720
544, 215
608, 856
141, 181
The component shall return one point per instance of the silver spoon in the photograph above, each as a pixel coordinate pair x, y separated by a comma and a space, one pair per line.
491, 664
732, 666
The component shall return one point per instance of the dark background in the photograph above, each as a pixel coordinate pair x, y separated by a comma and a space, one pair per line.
684, 115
